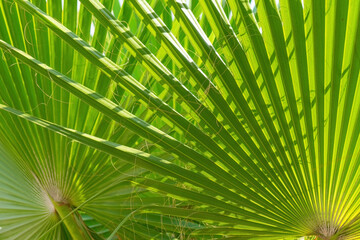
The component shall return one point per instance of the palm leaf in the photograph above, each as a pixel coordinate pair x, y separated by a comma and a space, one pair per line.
164, 119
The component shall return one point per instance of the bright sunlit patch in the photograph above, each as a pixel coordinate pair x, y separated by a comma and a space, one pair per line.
92, 29
252, 4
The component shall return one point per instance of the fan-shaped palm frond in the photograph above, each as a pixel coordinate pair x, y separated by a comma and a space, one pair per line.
173, 119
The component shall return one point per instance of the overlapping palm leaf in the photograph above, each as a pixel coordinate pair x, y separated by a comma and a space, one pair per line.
166, 119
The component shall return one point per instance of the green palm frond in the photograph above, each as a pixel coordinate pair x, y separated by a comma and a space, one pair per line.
174, 119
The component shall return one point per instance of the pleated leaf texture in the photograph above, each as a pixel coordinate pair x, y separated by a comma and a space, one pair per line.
174, 119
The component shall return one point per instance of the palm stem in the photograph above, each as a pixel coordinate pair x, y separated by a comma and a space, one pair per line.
71, 221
